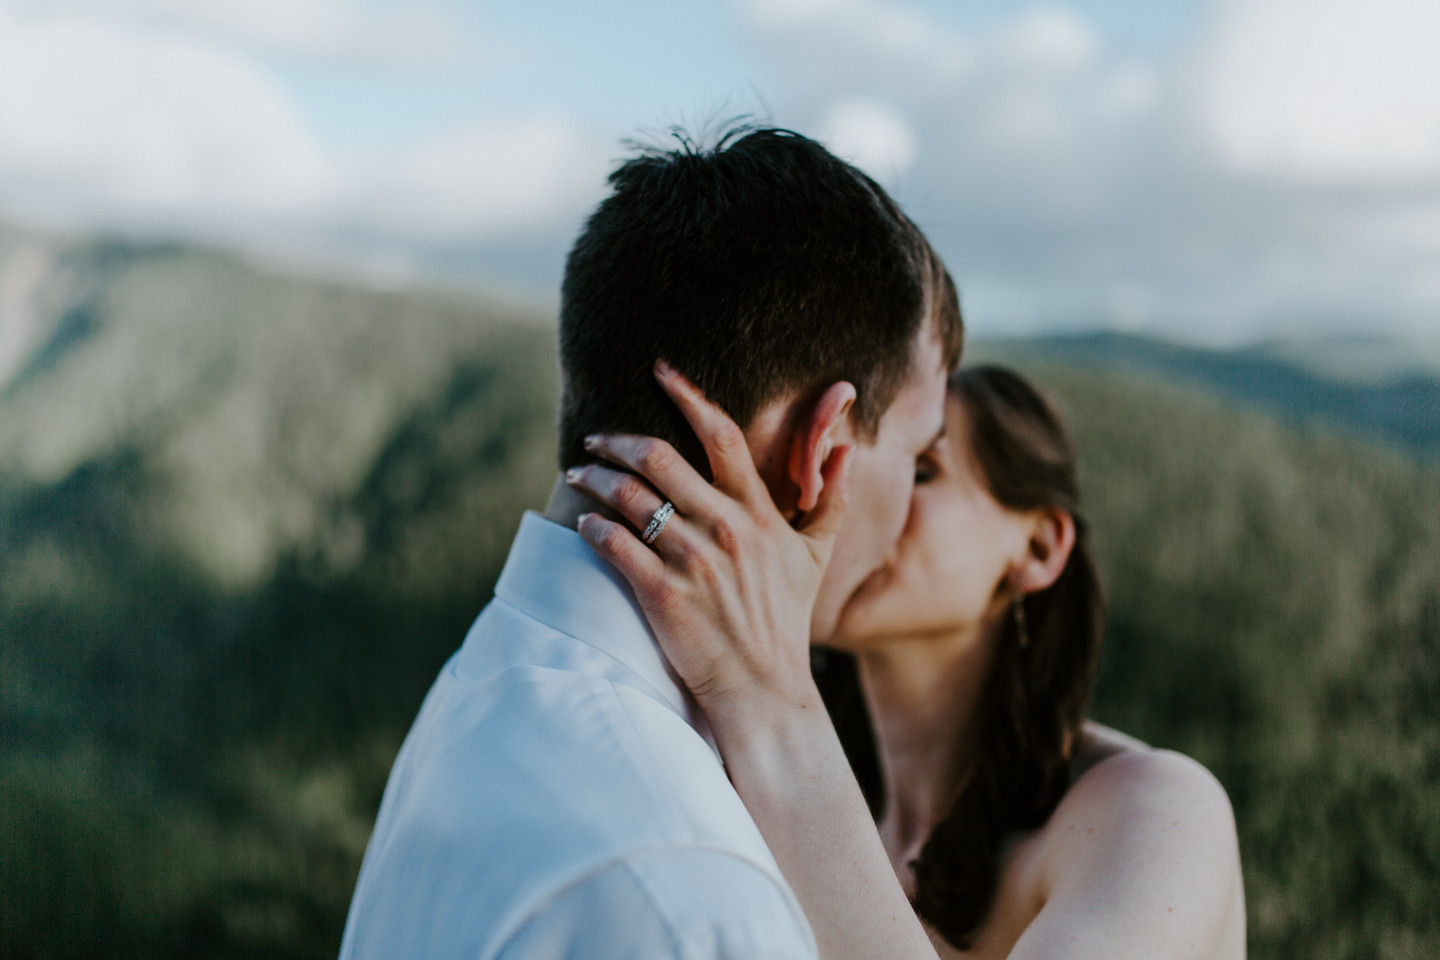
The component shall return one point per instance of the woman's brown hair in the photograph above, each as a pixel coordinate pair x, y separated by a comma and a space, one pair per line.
1034, 699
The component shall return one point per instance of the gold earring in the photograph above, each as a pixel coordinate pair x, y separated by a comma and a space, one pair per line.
1022, 631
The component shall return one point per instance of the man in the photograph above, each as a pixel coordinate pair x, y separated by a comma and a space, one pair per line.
557, 795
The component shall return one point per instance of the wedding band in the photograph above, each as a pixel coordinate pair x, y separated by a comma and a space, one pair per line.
657, 522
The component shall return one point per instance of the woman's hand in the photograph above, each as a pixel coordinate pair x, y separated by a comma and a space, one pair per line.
728, 588
728, 585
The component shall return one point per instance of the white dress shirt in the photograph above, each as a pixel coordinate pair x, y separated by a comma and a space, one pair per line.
555, 799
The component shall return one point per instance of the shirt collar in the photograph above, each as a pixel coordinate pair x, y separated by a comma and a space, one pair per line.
554, 577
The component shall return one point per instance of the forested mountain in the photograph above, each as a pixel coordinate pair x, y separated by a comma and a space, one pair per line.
1384, 392
245, 516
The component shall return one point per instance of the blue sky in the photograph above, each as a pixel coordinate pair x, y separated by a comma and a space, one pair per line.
1215, 170
625, 64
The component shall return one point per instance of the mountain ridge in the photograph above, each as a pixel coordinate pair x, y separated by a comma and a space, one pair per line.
1401, 408
246, 516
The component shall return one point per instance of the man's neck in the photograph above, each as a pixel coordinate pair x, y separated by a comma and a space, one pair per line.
566, 505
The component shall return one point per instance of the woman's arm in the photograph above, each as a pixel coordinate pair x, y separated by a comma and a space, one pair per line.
797, 784
728, 589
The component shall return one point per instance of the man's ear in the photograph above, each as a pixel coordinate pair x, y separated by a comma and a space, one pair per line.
1047, 551
817, 433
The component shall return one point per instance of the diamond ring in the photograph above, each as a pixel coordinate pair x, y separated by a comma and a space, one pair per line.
658, 521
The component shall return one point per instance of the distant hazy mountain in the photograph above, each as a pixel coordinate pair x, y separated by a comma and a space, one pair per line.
245, 516
1383, 391
256, 402
54, 296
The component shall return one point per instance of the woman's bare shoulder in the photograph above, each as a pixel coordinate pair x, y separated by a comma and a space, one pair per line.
1114, 772
1099, 743
1157, 811
1142, 833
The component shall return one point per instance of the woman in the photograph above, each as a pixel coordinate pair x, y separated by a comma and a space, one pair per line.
1014, 827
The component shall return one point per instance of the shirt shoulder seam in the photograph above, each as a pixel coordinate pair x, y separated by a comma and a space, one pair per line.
645, 686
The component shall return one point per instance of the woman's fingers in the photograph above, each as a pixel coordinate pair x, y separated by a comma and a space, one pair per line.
633, 499
661, 464
722, 438
638, 564
622, 492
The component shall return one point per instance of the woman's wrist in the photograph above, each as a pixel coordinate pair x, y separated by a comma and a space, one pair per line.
768, 731
792, 773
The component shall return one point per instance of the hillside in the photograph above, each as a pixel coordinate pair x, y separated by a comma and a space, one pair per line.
245, 516
1377, 391
243, 519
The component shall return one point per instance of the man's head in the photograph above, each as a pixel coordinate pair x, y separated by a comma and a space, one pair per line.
766, 270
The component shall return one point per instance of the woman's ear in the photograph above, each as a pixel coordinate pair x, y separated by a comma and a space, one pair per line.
1051, 539
817, 434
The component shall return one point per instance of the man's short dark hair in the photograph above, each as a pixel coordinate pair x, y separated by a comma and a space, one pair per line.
760, 268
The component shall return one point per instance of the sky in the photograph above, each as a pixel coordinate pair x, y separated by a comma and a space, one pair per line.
1216, 171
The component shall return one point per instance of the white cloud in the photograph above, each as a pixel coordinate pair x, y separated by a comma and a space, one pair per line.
817, 35
1288, 164
1066, 183
1032, 118
1327, 90
343, 29
1127, 308
871, 135
1129, 88
511, 178
1031, 80
95, 113
1048, 39
105, 120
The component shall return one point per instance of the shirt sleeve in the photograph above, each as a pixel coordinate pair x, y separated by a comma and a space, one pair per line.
686, 904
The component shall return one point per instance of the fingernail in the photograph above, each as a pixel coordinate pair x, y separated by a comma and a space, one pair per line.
580, 520
573, 475
663, 368
591, 441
